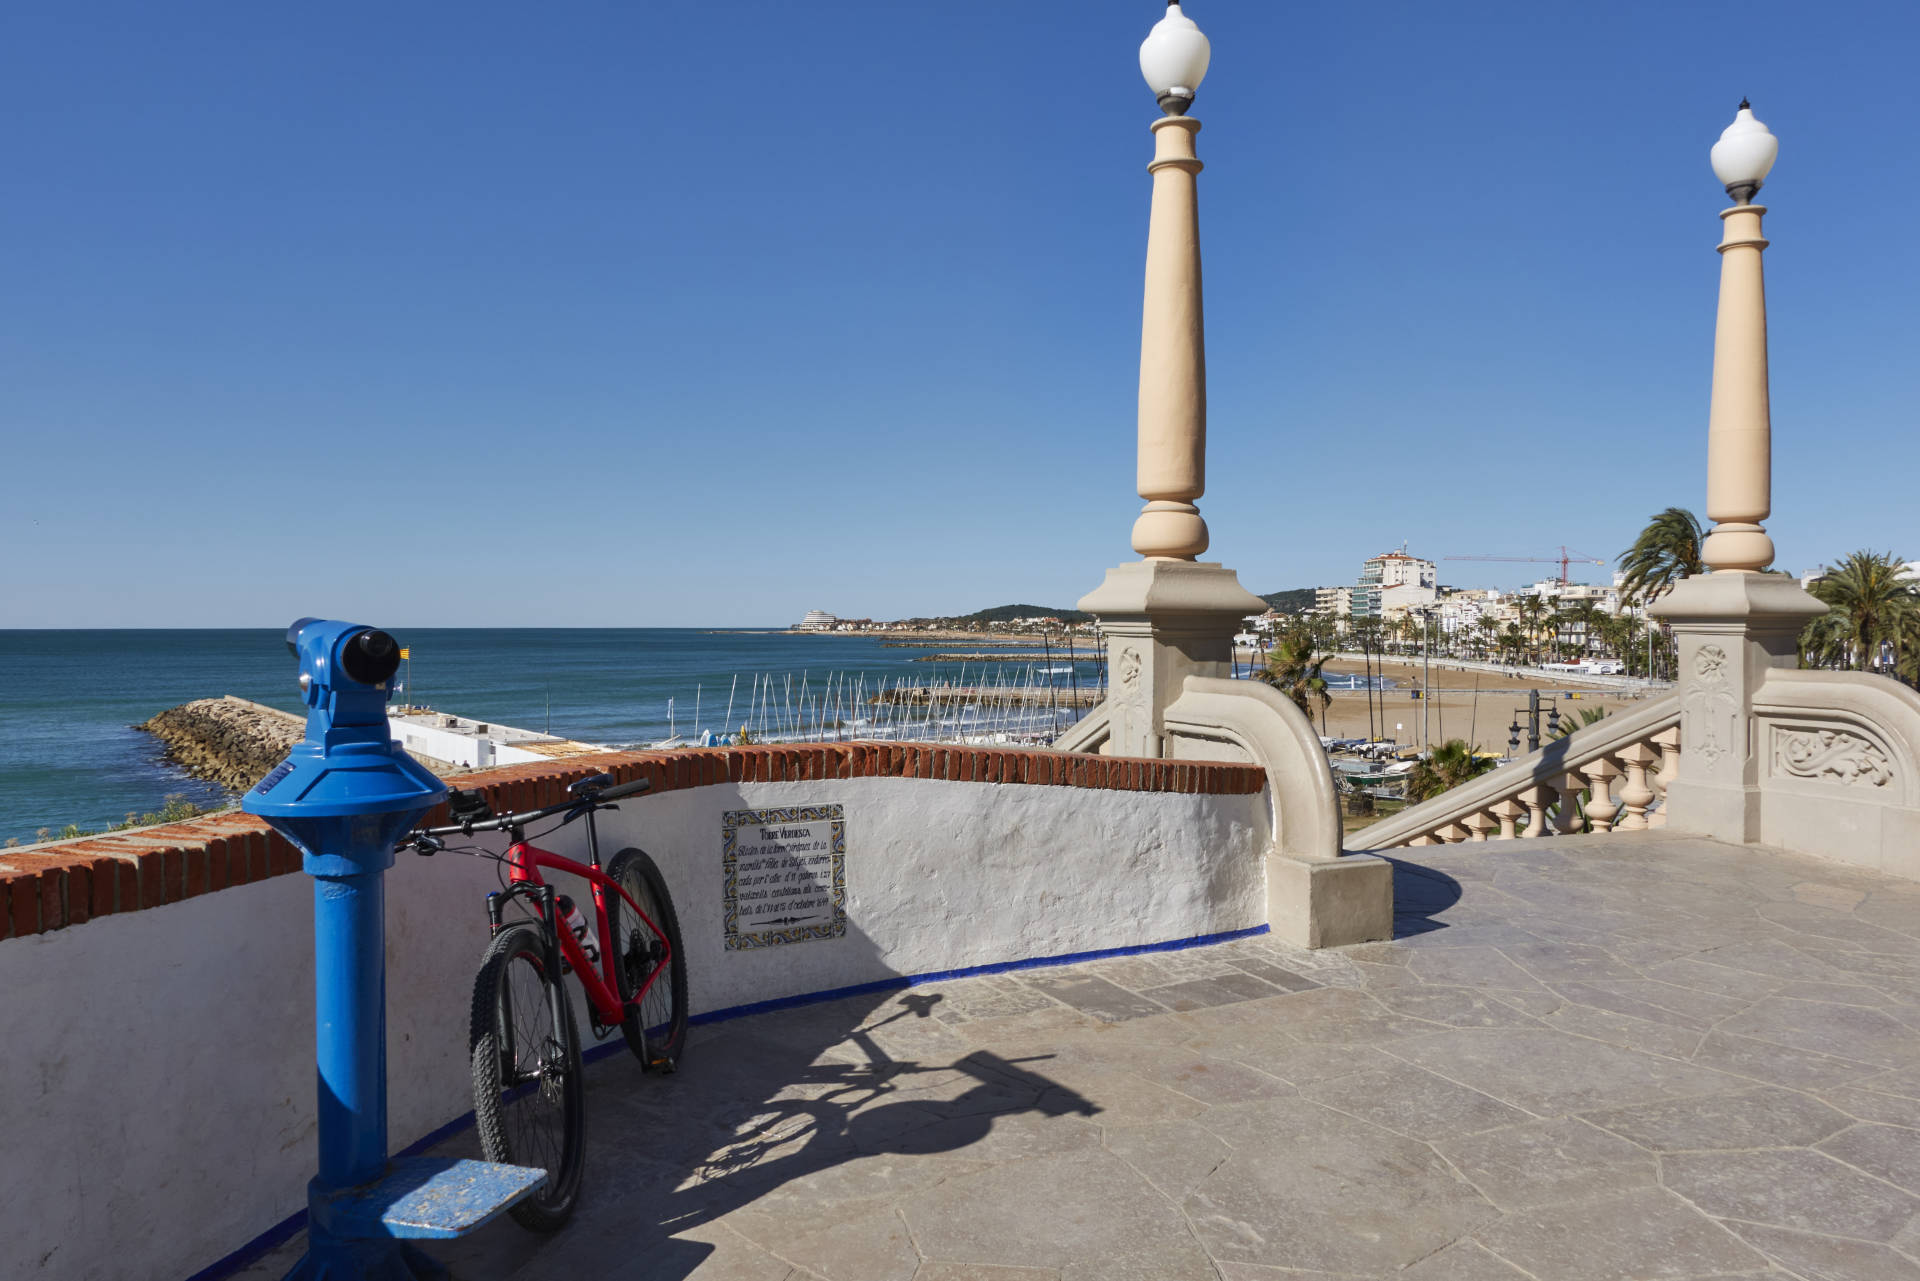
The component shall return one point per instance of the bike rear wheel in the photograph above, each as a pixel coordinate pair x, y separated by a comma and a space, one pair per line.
529, 1099
655, 1026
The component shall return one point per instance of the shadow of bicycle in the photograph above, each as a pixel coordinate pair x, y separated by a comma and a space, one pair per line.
799, 1118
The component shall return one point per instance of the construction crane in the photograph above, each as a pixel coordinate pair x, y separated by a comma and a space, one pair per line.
1564, 559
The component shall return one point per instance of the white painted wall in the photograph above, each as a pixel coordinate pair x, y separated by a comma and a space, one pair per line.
157, 1106
456, 748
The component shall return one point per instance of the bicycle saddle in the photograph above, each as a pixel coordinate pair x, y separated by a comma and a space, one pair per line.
590, 785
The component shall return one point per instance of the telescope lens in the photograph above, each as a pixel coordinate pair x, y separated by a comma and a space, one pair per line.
370, 657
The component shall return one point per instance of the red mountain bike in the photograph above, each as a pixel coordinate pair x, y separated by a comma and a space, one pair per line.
528, 1096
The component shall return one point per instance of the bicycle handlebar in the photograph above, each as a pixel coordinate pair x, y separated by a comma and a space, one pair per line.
586, 801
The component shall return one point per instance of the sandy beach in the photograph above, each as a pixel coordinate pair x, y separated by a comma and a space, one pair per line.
1480, 705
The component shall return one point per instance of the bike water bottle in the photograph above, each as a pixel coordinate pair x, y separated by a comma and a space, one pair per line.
582, 931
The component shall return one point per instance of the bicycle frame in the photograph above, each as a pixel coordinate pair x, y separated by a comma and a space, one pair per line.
524, 861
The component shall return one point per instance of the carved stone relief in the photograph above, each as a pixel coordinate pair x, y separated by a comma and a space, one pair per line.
1709, 706
1830, 756
1129, 693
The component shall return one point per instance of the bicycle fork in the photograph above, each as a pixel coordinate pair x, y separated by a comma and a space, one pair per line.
550, 951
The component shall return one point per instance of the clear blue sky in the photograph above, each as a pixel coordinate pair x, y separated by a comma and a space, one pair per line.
683, 314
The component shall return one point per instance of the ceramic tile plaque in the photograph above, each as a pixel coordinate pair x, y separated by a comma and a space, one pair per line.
786, 875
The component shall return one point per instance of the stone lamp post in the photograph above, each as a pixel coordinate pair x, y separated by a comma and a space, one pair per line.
1734, 622
1169, 615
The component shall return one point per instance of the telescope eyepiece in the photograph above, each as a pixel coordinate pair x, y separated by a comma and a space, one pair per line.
370, 657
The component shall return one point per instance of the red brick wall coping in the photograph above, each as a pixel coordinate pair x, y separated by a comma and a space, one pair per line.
50, 887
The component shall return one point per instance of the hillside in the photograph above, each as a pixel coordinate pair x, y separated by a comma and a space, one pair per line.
1295, 600
1005, 613
1000, 614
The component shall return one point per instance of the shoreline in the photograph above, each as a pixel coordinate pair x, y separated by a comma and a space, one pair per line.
946, 635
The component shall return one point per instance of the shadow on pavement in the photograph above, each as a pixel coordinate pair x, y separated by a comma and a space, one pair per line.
1420, 894
773, 1112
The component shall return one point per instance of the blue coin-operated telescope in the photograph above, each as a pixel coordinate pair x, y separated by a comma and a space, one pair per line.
344, 795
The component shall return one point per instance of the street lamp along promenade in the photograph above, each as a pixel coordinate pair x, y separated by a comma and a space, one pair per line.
1734, 622
1739, 423
1172, 459
1169, 616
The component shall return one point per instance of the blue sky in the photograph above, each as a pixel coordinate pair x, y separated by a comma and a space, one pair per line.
708, 314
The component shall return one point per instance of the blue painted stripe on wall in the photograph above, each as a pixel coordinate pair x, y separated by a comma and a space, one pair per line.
287, 1228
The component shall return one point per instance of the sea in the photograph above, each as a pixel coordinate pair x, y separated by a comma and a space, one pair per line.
69, 699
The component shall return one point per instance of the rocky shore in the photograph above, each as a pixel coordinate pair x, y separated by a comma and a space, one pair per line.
226, 740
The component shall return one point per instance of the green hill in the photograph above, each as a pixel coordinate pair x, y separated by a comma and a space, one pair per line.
1006, 613
1296, 600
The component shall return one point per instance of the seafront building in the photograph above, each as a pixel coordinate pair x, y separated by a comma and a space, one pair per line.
1395, 585
1334, 601
1392, 580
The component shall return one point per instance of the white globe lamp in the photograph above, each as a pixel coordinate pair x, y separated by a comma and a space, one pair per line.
1174, 59
1744, 155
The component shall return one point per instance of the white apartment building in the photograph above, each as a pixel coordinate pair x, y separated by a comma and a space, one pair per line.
1397, 569
1389, 570
1337, 601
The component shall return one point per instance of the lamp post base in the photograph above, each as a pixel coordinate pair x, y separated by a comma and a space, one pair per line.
1163, 621
1729, 628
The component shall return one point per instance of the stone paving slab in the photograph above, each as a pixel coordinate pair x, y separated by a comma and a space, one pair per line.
1585, 1059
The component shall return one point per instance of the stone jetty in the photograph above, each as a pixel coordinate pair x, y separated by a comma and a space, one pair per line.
227, 740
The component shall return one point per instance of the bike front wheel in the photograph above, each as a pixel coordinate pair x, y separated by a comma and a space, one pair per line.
529, 1099
656, 1024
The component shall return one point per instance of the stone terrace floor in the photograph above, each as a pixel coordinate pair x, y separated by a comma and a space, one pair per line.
1616, 1057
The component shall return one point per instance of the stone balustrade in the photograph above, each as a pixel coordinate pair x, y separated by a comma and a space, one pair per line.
1611, 776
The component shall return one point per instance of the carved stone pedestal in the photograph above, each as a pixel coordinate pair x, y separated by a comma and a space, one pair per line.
1163, 621
1731, 628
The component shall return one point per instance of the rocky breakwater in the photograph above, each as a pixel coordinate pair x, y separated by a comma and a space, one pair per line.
228, 740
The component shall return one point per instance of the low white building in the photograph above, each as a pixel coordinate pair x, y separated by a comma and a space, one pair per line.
1395, 601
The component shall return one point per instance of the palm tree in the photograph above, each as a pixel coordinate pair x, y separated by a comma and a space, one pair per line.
1584, 617
1873, 605
1587, 716
1293, 668
1532, 609
1489, 634
1618, 634
1667, 551
1452, 763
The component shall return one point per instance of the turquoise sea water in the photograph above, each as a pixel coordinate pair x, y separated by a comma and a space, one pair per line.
69, 699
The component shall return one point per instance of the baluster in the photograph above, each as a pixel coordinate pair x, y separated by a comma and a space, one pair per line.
1566, 819
1668, 741
1507, 812
1601, 807
1425, 838
1452, 834
1637, 794
1535, 799
1479, 824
